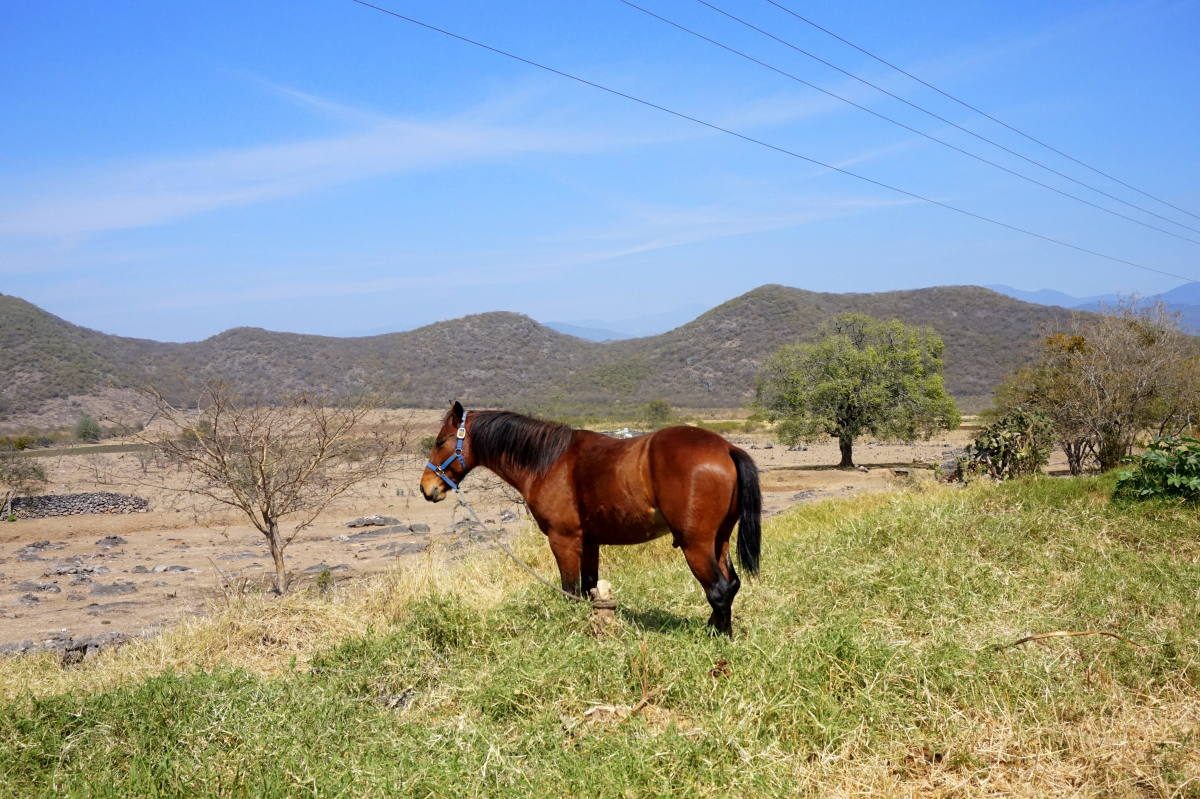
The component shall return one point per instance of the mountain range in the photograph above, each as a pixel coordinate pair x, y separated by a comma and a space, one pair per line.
508, 359
1183, 300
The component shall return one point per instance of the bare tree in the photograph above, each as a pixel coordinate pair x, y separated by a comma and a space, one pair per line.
285, 461
1105, 380
19, 475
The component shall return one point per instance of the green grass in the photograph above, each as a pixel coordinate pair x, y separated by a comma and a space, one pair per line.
870, 658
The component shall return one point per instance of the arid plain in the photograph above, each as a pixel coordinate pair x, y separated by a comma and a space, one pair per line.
134, 573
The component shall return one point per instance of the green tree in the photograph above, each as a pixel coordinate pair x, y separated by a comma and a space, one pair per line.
87, 429
657, 414
864, 375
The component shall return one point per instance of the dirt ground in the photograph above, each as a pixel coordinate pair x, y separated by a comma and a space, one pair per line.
90, 574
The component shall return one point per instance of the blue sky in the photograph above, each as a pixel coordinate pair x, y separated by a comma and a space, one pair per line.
171, 170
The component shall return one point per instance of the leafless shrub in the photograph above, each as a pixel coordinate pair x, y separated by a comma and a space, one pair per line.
284, 461
1106, 380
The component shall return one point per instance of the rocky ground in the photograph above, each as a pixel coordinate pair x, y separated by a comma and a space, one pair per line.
79, 582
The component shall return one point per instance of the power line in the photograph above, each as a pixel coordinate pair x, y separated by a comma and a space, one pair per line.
936, 115
766, 145
980, 111
898, 123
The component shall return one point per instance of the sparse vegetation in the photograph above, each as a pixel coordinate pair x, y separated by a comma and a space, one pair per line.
864, 375
19, 476
273, 463
878, 656
88, 429
1104, 381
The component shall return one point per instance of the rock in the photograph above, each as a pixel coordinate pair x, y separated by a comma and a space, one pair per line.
768, 446
31, 585
76, 650
801, 496
863, 469
140, 569
73, 565
317, 568
902, 472
373, 521
797, 448
507, 516
950, 469
398, 548
28, 599
16, 647
376, 532
419, 527
113, 589
160, 569
110, 541
400, 701
245, 554
96, 609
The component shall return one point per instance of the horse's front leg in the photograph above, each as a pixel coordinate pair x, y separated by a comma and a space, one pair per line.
569, 553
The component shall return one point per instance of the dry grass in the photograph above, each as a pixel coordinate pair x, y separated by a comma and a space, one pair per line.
866, 664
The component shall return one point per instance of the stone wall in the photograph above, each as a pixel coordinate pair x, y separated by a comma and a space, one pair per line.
76, 504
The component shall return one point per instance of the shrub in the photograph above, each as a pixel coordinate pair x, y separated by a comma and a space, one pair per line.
88, 429
1017, 443
1170, 467
657, 414
19, 476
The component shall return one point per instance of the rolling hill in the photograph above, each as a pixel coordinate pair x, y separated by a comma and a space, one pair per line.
503, 358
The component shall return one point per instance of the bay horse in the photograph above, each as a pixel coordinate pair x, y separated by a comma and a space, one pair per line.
587, 489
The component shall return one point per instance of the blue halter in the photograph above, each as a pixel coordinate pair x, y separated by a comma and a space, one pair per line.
457, 455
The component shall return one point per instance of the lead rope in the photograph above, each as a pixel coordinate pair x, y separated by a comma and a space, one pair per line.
498, 542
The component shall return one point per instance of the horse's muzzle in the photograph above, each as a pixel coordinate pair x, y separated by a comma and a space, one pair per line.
433, 490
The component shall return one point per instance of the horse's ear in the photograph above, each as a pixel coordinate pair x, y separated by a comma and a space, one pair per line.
456, 412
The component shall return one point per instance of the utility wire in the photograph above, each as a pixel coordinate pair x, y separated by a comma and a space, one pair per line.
978, 110
910, 128
935, 115
766, 145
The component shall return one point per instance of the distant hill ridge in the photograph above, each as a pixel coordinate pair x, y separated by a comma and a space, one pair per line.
1183, 301
503, 358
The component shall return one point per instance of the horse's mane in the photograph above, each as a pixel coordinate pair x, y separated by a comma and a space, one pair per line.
515, 440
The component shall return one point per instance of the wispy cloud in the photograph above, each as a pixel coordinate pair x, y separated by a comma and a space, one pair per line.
158, 191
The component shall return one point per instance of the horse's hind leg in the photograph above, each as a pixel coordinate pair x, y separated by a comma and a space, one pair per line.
708, 558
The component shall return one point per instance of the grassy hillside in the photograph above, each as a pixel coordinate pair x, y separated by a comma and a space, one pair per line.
874, 657
509, 359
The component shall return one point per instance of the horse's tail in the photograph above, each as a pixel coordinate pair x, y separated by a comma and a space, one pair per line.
749, 497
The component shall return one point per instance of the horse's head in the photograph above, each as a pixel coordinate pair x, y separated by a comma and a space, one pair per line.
447, 464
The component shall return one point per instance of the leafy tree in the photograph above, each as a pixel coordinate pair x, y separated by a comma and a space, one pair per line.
865, 375
88, 429
657, 414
